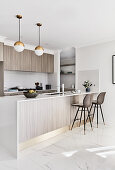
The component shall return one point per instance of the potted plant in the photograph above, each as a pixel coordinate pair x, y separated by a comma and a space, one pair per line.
87, 84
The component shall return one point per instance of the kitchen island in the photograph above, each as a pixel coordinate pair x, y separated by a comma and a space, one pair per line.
25, 122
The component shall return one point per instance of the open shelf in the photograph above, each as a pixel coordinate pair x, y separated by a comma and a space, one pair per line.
64, 65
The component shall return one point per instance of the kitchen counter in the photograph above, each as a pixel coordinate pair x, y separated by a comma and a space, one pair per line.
47, 95
24, 122
51, 95
21, 92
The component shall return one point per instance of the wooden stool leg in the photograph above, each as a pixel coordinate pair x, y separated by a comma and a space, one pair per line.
89, 113
91, 109
89, 117
81, 116
102, 114
97, 115
94, 112
75, 118
84, 121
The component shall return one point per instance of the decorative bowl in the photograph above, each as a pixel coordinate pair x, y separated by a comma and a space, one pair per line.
30, 95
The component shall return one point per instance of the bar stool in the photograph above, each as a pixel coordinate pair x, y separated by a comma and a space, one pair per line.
87, 101
97, 103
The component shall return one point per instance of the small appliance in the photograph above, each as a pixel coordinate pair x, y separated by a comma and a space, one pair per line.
48, 86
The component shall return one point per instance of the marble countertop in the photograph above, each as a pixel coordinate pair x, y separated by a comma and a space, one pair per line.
13, 93
48, 95
22, 98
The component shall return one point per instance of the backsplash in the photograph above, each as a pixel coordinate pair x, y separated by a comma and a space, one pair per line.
52, 79
24, 79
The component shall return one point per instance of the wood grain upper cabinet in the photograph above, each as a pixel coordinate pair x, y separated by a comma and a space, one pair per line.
36, 63
11, 58
44, 63
47, 63
25, 60
14, 60
8, 53
50, 61
1, 51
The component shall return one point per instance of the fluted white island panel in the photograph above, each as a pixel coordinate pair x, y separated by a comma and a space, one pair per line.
37, 117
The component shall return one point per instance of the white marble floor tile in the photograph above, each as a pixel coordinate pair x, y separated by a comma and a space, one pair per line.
71, 151
23, 164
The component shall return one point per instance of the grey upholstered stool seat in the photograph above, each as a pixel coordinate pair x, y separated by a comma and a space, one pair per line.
87, 101
94, 101
98, 104
79, 105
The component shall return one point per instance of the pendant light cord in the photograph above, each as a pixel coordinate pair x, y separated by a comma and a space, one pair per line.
39, 35
19, 29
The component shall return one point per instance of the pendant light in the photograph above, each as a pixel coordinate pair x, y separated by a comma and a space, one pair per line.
19, 46
39, 50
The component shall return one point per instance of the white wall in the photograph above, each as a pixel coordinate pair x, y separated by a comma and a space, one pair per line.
92, 76
25, 79
100, 57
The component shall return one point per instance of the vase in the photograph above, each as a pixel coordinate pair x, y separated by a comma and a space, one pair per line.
87, 89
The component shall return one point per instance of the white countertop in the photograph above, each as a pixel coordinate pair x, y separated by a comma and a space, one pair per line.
46, 96
11, 93
21, 98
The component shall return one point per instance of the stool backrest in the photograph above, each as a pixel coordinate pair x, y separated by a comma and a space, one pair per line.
101, 97
87, 101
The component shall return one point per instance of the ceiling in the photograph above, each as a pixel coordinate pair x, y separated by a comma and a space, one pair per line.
66, 23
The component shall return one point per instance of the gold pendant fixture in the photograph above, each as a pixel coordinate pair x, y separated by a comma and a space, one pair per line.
19, 46
39, 49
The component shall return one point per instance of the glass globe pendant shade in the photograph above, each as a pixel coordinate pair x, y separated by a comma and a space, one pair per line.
39, 50
19, 46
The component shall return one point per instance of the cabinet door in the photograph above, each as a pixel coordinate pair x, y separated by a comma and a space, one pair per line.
11, 58
7, 57
44, 63
14, 60
1, 51
25, 60
47, 63
15, 57
50, 61
36, 62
